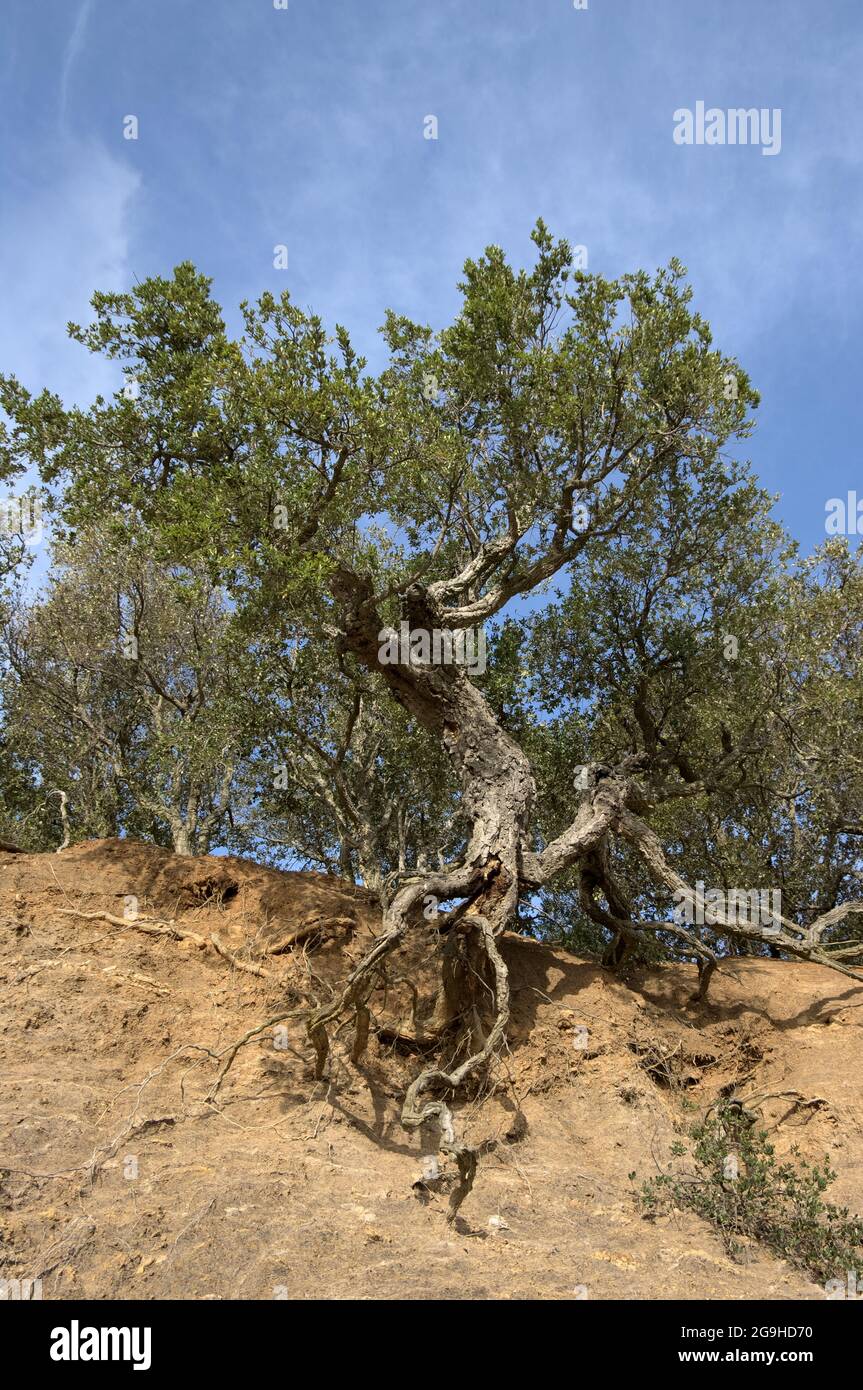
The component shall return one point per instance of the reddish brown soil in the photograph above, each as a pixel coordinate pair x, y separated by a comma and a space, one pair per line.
120, 1178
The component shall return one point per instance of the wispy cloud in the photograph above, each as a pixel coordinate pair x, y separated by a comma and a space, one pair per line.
71, 54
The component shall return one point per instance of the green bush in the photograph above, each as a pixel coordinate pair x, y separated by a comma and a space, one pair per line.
747, 1195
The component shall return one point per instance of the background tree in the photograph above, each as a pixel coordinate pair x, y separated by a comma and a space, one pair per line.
342, 781
18, 801
121, 691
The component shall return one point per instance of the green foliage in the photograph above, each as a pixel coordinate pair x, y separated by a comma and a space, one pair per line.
741, 1188
120, 691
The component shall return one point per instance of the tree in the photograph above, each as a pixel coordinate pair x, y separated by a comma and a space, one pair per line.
122, 693
340, 778
746, 681
17, 799
564, 428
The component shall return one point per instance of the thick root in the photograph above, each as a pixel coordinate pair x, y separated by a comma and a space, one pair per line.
414, 1113
360, 982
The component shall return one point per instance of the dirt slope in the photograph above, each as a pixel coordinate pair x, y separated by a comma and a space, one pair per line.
119, 1177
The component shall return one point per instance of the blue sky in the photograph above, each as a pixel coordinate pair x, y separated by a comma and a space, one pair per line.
260, 126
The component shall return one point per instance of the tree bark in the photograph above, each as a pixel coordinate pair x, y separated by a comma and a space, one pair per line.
496, 778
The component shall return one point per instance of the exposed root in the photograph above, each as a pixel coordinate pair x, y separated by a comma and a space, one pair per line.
230, 1052
151, 926
415, 1114
354, 998
308, 930
232, 959
706, 969
155, 926
355, 995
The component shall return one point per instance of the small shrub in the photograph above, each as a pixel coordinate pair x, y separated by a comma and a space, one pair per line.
747, 1195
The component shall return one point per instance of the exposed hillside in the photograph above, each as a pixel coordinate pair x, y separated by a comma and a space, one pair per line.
123, 1175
